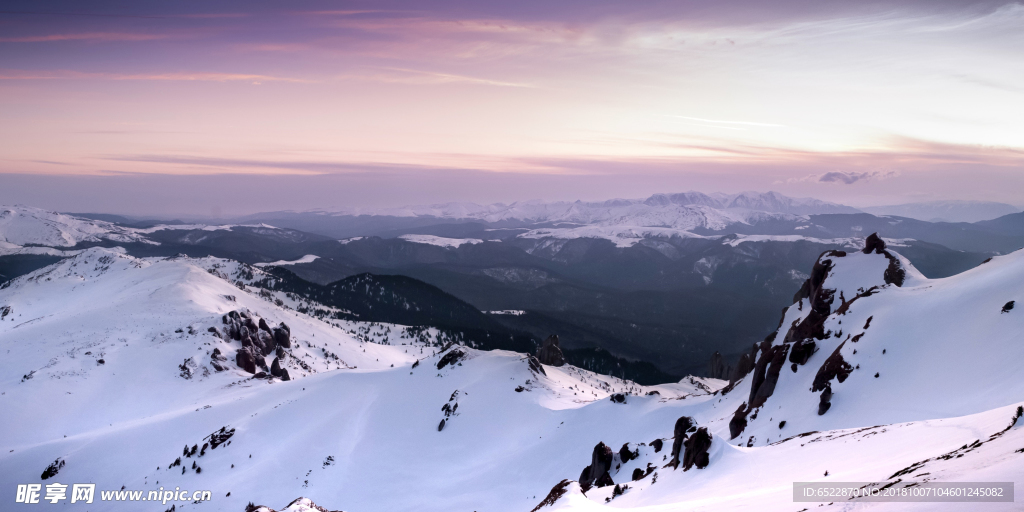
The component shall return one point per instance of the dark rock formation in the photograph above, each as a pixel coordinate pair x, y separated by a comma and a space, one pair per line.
535, 365
596, 474
873, 244
215, 331
267, 341
284, 374
825, 401
717, 368
549, 352
625, 455
738, 422
802, 351
697, 447
282, 336
638, 474
657, 444
263, 325
894, 273
834, 367
440, 426
683, 427
451, 358
1008, 307
775, 359
245, 360
557, 492
744, 365
618, 398
275, 367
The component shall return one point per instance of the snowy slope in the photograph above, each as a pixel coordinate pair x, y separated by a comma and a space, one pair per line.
350, 398
352, 432
934, 380
24, 225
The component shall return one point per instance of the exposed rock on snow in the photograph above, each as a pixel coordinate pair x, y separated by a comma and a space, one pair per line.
596, 474
684, 425
299, 505
697, 446
550, 353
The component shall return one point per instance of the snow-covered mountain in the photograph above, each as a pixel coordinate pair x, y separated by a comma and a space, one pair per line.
946, 211
875, 374
22, 226
617, 209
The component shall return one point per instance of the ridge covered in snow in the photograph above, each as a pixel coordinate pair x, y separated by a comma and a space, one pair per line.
875, 374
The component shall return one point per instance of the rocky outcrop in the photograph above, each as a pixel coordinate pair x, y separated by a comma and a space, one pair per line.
835, 367
625, 455
596, 474
245, 359
298, 505
550, 353
717, 368
684, 425
894, 273
744, 365
766, 373
275, 367
873, 243
557, 492
657, 444
283, 336
451, 358
535, 365
738, 422
697, 447
825, 401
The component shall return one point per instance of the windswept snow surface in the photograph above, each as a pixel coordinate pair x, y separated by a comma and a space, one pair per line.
352, 398
309, 258
24, 225
440, 241
352, 432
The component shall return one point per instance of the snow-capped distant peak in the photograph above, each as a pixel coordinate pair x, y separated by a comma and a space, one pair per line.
24, 225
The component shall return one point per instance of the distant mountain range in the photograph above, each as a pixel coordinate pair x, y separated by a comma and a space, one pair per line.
657, 280
946, 211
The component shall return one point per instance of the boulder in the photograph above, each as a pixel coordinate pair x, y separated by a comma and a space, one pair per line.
245, 360
268, 342
618, 398
683, 426
597, 473
825, 401
625, 455
697, 447
873, 244
284, 374
657, 444
263, 325
738, 422
282, 336
550, 353
275, 367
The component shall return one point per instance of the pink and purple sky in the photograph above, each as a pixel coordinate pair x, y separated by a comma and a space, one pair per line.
237, 107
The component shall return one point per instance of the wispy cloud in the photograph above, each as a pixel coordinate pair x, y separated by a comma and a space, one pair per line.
717, 121
175, 76
418, 77
849, 178
85, 36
